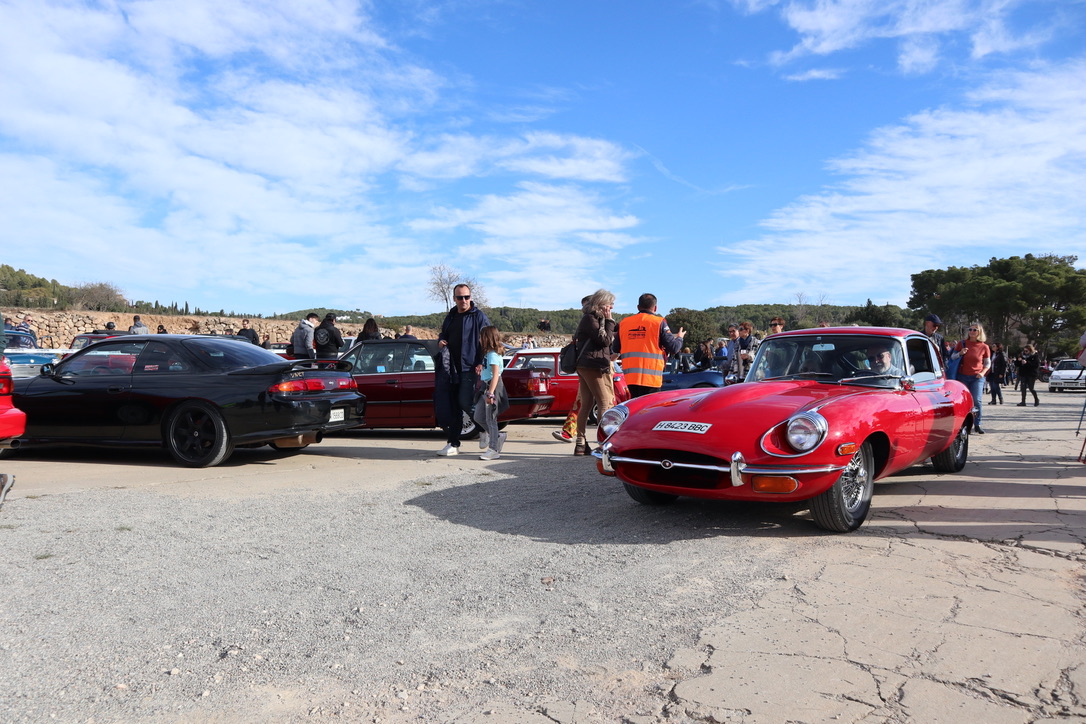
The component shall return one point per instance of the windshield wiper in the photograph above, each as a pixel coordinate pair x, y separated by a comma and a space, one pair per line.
870, 377
801, 375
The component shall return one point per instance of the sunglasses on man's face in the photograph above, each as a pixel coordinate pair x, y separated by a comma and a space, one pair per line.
464, 298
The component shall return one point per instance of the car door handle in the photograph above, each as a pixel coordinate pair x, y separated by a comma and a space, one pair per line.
114, 390
392, 382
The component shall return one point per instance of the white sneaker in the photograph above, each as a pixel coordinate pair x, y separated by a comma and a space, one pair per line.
484, 440
449, 450
490, 455
501, 441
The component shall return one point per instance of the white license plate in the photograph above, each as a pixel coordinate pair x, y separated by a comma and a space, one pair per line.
337, 415
683, 426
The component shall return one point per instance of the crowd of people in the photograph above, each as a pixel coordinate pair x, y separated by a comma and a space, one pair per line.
468, 380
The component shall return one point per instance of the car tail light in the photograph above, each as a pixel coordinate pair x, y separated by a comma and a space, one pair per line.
314, 384
6, 385
537, 385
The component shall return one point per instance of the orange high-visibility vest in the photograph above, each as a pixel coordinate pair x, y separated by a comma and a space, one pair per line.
642, 358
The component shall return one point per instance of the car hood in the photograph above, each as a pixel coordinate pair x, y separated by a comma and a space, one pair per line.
744, 411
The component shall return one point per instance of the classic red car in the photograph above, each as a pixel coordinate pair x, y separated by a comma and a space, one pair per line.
562, 386
12, 420
398, 376
823, 413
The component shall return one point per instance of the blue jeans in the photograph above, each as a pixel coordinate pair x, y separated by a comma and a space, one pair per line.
976, 389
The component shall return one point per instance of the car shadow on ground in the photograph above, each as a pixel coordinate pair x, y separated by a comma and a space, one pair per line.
566, 501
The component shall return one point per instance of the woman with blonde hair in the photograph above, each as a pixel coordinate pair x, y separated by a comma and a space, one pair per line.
594, 336
976, 359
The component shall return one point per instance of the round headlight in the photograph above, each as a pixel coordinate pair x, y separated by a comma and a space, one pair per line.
806, 431
612, 420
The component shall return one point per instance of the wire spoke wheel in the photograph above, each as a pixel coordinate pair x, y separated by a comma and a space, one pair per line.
845, 505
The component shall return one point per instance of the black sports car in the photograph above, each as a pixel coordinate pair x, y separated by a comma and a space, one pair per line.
198, 396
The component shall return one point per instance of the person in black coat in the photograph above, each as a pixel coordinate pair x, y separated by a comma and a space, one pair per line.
327, 338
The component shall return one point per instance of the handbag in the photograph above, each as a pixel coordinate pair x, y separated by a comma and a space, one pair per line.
567, 358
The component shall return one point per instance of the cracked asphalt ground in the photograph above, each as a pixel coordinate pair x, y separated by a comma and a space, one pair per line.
367, 580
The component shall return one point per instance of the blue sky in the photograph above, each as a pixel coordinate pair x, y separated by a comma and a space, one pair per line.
266, 155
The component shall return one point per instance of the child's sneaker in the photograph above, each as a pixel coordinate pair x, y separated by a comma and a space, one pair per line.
490, 455
562, 436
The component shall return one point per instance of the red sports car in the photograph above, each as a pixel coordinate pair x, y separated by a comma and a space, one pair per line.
12, 420
823, 414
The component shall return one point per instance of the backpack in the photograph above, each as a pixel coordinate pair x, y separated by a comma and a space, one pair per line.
567, 358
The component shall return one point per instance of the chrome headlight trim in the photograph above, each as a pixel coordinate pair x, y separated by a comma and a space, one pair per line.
806, 431
612, 420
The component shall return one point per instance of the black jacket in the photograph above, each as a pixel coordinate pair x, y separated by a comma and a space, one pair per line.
328, 340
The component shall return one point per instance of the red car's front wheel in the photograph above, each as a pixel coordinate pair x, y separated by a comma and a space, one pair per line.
845, 505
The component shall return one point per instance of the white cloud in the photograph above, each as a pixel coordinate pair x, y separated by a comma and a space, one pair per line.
542, 242
922, 27
252, 149
815, 74
999, 176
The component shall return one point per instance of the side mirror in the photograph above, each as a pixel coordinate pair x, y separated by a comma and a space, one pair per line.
908, 384
46, 370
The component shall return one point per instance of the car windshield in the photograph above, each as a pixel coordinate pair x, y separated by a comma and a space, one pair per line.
230, 354
17, 340
859, 359
1069, 364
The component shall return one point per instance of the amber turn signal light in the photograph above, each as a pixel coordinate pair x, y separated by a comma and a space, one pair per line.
774, 484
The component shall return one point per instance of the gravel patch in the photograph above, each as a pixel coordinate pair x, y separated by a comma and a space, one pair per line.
515, 592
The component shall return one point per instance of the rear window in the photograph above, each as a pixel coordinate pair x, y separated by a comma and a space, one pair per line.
229, 354
534, 362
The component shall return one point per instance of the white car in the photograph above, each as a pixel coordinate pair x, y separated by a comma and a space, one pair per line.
1068, 374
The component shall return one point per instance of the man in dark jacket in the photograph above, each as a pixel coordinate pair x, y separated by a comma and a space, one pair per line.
327, 338
454, 387
248, 332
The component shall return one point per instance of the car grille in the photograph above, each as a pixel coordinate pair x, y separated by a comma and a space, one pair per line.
653, 473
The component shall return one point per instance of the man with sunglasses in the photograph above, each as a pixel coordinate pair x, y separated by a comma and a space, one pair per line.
461, 363
881, 360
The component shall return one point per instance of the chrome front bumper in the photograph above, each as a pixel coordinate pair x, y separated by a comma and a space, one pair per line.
735, 470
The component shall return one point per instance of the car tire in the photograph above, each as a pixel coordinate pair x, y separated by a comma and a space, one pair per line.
845, 505
952, 460
468, 429
649, 497
197, 437
594, 415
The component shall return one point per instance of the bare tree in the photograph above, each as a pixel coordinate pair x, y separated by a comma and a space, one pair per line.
442, 280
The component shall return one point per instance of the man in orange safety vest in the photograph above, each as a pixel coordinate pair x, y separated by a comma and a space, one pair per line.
644, 342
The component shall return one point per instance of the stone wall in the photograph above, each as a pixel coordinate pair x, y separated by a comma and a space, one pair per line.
57, 329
